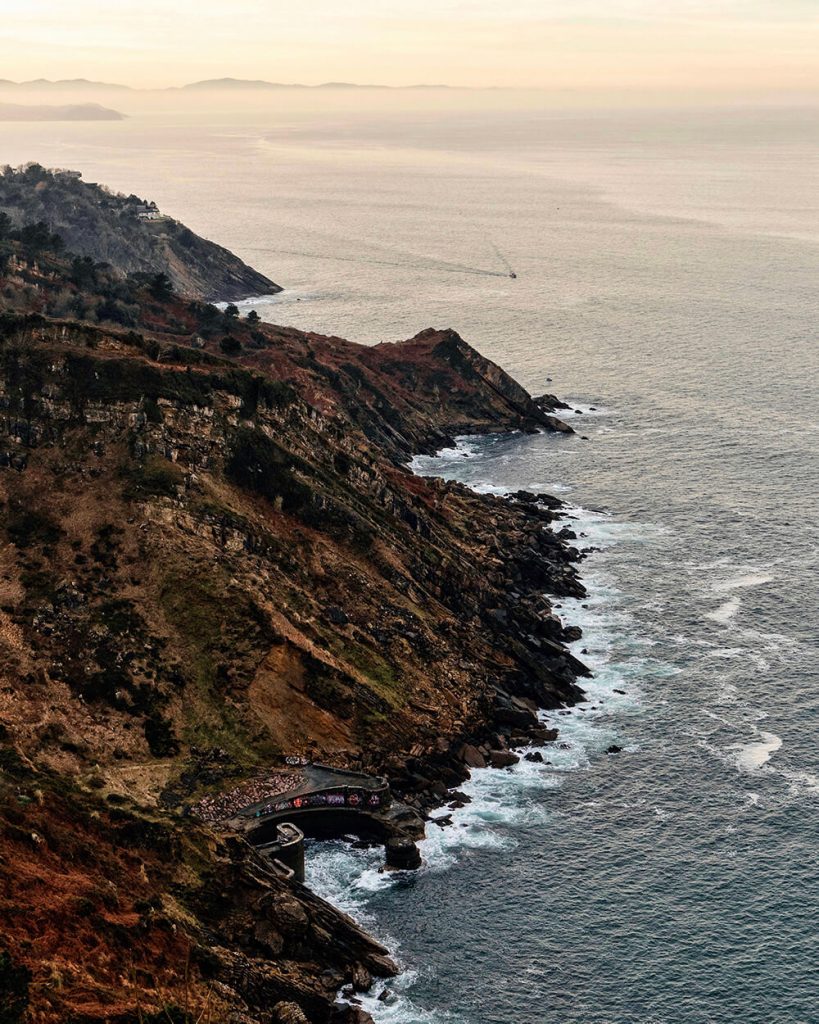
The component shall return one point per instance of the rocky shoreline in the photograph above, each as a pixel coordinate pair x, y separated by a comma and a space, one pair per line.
428, 781
233, 569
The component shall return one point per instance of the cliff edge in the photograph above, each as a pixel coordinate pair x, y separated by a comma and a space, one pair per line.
127, 233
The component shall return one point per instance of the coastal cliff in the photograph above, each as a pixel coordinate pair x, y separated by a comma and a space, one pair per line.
127, 233
215, 559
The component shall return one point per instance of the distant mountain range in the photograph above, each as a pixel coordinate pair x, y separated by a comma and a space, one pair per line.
72, 112
62, 83
244, 84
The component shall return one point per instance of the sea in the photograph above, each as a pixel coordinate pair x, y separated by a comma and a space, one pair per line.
667, 286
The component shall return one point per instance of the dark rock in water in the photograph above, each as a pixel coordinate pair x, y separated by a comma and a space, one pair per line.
623, 692
388, 997
543, 735
535, 756
550, 402
461, 798
402, 854
472, 757
513, 711
502, 758
443, 822
572, 633
614, 749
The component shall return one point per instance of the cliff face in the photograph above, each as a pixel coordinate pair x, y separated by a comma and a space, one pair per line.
117, 230
210, 532
210, 563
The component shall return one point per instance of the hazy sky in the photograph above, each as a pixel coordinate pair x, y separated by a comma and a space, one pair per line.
552, 43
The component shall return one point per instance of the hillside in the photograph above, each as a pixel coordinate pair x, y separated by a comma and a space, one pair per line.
233, 566
127, 233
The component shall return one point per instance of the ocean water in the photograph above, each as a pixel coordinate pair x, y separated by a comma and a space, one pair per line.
668, 284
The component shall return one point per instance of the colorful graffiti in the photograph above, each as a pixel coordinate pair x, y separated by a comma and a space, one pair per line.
356, 799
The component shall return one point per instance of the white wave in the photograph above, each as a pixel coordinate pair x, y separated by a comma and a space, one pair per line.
436, 465
751, 756
801, 781
726, 611
749, 579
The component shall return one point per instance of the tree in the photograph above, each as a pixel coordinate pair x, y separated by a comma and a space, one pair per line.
230, 345
5, 226
253, 317
83, 272
206, 313
37, 238
231, 311
161, 287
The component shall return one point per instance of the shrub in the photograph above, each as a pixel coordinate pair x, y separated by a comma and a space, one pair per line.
28, 526
162, 741
156, 476
14, 982
230, 346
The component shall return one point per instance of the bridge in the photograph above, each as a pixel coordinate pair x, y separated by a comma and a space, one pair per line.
326, 802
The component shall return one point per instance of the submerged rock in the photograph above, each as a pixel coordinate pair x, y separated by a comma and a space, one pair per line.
402, 854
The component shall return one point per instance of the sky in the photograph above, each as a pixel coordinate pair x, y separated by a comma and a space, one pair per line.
553, 44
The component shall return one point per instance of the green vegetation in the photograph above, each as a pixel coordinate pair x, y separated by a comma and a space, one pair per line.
214, 625
155, 476
377, 670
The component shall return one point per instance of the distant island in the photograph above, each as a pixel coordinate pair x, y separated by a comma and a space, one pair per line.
244, 84
62, 83
71, 112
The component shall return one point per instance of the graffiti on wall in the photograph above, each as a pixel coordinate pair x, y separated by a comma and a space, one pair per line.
357, 799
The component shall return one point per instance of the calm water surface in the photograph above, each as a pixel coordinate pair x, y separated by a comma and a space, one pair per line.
668, 276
